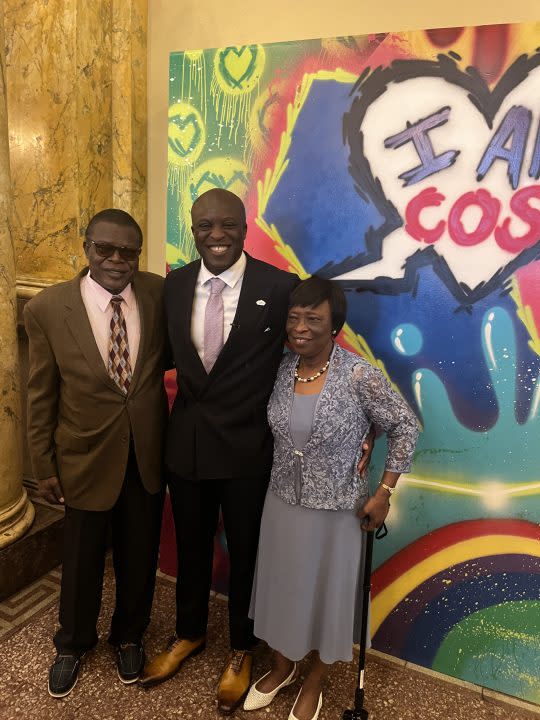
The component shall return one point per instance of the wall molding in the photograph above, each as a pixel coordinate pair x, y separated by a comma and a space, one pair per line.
27, 287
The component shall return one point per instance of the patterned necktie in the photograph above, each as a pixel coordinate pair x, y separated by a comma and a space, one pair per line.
213, 323
119, 365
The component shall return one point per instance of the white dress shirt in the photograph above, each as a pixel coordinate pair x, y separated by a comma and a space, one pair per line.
231, 292
97, 302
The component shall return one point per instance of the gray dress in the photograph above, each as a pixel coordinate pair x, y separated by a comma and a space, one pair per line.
305, 593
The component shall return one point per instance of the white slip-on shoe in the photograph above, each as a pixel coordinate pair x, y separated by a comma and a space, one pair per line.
256, 699
292, 716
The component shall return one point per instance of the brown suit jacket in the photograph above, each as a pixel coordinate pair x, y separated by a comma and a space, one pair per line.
79, 421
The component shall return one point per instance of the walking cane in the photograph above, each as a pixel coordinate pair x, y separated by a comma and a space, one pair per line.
360, 712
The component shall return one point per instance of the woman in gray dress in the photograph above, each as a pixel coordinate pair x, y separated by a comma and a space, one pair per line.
310, 549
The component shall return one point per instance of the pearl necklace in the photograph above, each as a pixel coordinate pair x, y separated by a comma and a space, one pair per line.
313, 377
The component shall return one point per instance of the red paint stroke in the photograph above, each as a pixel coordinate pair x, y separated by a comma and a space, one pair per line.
429, 197
490, 208
519, 204
490, 50
167, 544
170, 386
490, 47
443, 37
528, 278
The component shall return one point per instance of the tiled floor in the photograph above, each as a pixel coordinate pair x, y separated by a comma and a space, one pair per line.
19, 608
393, 692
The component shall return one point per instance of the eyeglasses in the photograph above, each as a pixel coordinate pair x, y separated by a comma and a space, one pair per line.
106, 250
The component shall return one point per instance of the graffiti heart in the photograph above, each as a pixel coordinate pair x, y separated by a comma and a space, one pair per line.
452, 167
237, 65
185, 135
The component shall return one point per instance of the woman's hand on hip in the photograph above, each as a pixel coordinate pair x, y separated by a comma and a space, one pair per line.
374, 511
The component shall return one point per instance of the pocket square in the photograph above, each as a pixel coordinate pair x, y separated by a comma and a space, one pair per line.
267, 329
261, 302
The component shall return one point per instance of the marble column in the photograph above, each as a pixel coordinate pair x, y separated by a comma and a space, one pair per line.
16, 512
76, 96
129, 114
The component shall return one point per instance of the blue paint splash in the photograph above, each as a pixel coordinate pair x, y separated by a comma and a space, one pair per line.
447, 451
407, 339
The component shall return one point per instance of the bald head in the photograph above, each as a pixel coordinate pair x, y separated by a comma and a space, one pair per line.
219, 228
220, 195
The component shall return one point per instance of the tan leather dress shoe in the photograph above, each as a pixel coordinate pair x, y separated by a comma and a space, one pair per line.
235, 681
168, 663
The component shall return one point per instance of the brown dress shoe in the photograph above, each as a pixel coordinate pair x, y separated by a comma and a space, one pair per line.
235, 681
168, 663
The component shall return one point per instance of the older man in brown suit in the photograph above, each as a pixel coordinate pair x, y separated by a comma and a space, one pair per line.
97, 412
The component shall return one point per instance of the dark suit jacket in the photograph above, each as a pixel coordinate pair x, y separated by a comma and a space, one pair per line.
218, 426
79, 421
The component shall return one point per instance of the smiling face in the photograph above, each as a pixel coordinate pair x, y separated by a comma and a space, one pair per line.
113, 273
309, 330
219, 229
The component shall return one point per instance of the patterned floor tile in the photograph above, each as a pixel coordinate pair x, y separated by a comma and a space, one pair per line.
393, 692
18, 609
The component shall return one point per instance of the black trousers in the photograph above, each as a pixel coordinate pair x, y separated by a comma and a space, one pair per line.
196, 508
135, 521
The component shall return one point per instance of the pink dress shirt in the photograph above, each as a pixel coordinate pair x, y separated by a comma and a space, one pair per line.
97, 302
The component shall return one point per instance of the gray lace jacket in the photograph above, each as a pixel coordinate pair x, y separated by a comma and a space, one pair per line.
354, 395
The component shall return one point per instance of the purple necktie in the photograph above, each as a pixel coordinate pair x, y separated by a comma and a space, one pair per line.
213, 323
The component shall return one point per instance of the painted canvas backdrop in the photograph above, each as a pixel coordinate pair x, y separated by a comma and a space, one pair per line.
406, 167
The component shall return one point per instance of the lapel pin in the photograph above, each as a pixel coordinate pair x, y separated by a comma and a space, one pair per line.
261, 302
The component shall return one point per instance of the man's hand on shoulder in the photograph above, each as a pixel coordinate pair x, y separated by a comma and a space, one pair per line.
367, 449
51, 490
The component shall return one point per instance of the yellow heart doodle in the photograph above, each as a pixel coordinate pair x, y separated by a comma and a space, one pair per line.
186, 135
238, 69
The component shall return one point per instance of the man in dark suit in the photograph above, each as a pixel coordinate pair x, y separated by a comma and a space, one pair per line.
226, 321
96, 421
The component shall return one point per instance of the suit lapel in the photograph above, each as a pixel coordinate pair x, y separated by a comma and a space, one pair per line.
183, 317
79, 325
144, 305
248, 308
